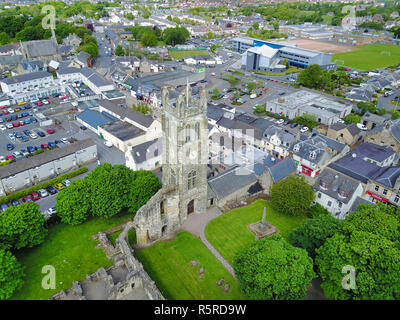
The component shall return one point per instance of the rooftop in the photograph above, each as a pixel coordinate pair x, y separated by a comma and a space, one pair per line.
122, 130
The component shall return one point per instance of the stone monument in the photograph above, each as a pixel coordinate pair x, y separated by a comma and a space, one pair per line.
263, 228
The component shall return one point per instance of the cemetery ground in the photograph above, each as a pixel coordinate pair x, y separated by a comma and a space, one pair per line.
168, 263
229, 233
71, 250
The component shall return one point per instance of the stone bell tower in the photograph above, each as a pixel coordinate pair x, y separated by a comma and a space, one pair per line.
184, 168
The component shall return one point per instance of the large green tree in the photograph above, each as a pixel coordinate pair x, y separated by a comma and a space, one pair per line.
177, 35
22, 226
145, 185
149, 39
119, 51
313, 232
314, 77
272, 268
375, 259
11, 274
4, 38
292, 196
74, 203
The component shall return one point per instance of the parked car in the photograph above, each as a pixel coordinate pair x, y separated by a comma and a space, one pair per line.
59, 186
361, 126
66, 183
27, 198
65, 140
43, 193
51, 211
83, 127
52, 145
35, 196
45, 146
280, 121
41, 133
30, 149
304, 129
24, 138
4, 207
15, 124
33, 135
27, 121
9, 126
17, 155
33, 120
3, 127
15, 202
9, 157
2, 159
50, 130
293, 125
10, 146
24, 152
58, 142
108, 144
52, 190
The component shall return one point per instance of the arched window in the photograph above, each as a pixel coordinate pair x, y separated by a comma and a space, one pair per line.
191, 182
197, 130
187, 133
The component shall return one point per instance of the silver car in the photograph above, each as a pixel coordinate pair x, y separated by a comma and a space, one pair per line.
43, 193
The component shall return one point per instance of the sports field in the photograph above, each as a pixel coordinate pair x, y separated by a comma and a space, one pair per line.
182, 53
369, 57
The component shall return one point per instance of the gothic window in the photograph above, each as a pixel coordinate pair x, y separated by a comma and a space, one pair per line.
191, 182
197, 130
187, 139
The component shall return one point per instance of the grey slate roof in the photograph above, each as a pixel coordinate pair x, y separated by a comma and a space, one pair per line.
147, 150
374, 151
336, 185
127, 112
359, 201
214, 112
122, 130
38, 48
26, 77
43, 158
262, 123
231, 181
352, 128
389, 176
11, 60
282, 169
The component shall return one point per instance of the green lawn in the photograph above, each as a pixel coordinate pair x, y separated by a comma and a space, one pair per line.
70, 250
168, 264
181, 54
369, 57
229, 233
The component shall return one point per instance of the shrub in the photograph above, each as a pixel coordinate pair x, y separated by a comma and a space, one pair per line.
11, 275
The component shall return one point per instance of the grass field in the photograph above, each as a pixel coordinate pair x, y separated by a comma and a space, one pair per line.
70, 250
369, 57
168, 264
229, 233
181, 54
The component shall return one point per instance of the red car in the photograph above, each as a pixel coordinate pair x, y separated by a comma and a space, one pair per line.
15, 124
63, 98
35, 196
9, 157
5, 112
50, 130
50, 100
39, 103
27, 199
2, 107
45, 146
21, 123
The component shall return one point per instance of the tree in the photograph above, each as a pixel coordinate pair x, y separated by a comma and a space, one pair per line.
4, 38
251, 86
11, 275
110, 187
119, 51
73, 204
376, 261
22, 226
149, 39
292, 196
286, 63
92, 49
314, 77
313, 232
145, 185
177, 35
381, 111
352, 118
215, 91
317, 210
271, 268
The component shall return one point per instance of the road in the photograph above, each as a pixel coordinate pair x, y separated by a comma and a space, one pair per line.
384, 102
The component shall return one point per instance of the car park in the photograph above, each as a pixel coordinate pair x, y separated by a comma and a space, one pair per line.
35, 196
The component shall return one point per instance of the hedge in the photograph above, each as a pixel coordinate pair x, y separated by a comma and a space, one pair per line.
6, 162
23, 193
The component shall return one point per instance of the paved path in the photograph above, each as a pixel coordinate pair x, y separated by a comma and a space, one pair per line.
196, 225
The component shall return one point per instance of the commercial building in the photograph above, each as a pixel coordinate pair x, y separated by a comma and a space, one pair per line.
263, 55
325, 110
28, 172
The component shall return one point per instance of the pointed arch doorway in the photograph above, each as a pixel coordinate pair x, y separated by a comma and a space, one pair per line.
190, 207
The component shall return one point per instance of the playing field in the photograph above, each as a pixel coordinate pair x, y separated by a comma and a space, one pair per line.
168, 263
369, 57
183, 53
230, 234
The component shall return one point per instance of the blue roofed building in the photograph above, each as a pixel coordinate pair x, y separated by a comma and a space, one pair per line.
94, 119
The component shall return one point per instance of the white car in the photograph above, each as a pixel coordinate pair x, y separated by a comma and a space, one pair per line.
304, 129
66, 183
11, 136
2, 159
51, 211
9, 125
340, 121
43, 193
33, 135
45, 101
65, 140
361, 126
10, 110
2, 127
280, 121
108, 144
253, 96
